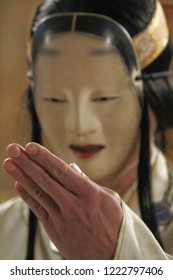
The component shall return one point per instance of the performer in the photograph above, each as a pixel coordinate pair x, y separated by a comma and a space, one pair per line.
89, 105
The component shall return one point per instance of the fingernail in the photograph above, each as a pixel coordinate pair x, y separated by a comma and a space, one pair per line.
78, 170
31, 149
14, 152
9, 166
76, 167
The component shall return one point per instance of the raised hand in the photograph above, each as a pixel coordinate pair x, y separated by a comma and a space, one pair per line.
81, 218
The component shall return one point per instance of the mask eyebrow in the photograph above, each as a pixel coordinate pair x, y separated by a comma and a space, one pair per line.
50, 52
99, 52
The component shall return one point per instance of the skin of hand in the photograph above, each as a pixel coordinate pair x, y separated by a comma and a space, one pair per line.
81, 218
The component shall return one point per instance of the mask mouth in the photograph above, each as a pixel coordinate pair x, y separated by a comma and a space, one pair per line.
86, 151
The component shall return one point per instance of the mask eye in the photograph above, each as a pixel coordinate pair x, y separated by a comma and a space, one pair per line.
105, 98
54, 100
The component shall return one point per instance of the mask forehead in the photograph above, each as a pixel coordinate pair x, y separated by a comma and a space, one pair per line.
75, 59
93, 24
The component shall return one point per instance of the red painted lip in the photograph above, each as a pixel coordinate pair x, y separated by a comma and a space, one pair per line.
86, 151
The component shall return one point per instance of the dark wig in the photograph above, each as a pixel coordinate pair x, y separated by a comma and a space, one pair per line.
134, 15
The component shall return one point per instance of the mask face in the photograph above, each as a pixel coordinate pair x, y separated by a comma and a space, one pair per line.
86, 103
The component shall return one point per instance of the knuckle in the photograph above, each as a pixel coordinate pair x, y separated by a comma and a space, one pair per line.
38, 193
43, 179
37, 208
20, 177
40, 210
62, 172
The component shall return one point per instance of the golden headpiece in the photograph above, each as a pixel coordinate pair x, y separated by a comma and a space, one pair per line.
150, 42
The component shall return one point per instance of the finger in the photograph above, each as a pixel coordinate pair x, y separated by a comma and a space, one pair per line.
50, 203
59, 169
78, 170
33, 204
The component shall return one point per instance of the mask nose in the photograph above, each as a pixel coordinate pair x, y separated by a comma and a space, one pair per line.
82, 120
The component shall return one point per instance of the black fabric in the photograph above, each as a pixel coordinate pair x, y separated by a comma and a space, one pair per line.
134, 15
31, 236
144, 177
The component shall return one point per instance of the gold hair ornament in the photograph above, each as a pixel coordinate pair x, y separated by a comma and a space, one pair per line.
150, 42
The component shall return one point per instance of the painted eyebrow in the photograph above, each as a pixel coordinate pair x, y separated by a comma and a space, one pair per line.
50, 52
94, 52
99, 52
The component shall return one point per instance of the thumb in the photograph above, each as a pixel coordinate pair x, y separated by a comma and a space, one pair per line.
75, 167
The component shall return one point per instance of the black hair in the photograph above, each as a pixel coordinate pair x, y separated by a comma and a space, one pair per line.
134, 15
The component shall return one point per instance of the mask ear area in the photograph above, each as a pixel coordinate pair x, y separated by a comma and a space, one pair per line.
30, 77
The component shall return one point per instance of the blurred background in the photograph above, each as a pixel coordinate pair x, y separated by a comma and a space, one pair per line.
15, 16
